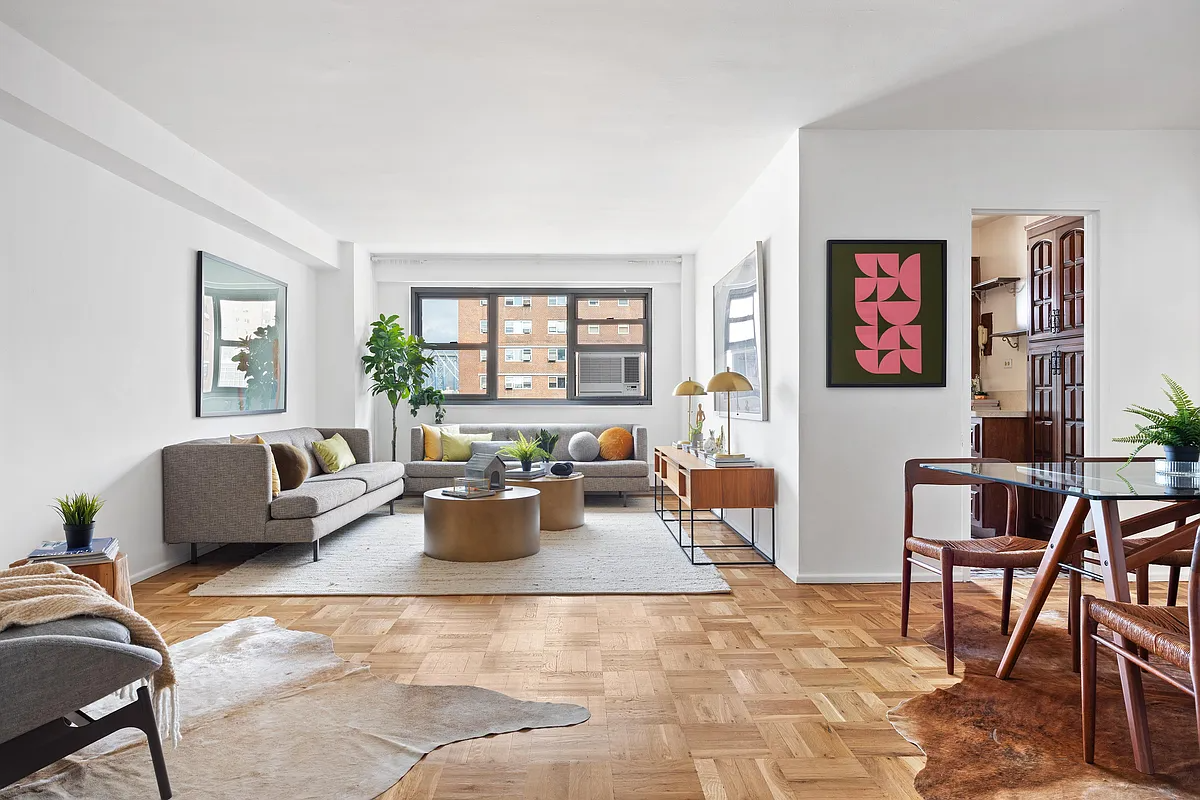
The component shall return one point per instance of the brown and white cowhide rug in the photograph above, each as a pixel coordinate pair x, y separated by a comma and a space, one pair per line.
1023, 738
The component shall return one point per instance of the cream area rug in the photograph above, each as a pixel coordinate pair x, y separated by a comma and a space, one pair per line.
614, 552
272, 713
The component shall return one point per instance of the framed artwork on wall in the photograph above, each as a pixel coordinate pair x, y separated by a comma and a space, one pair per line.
241, 340
886, 313
740, 334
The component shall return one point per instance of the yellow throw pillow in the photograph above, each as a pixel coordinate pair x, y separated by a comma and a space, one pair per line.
457, 446
616, 444
334, 453
433, 439
256, 439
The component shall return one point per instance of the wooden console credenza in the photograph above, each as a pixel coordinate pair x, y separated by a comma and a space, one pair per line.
695, 486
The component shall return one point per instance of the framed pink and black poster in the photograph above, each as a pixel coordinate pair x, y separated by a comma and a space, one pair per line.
886, 313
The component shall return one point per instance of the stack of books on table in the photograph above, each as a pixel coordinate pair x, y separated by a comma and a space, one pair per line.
538, 471
985, 404
101, 551
728, 460
468, 493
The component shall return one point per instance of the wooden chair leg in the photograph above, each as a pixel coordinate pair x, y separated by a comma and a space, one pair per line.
1006, 601
1173, 587
1088, 682
948, 605
905, 592
1074, 624
1143, 585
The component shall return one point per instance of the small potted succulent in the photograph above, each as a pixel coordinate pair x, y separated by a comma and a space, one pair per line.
78, 513
547, 440
525, 451
1177, 431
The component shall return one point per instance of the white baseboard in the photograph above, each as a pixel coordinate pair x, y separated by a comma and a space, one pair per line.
163, 566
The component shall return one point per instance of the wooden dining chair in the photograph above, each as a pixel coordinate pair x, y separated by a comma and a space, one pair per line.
1166, 632
1007, 552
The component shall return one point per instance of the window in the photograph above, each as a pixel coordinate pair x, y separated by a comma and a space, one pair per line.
518, 354
488, 345
518, 327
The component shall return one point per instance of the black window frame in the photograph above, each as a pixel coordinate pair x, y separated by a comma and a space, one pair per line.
495, 300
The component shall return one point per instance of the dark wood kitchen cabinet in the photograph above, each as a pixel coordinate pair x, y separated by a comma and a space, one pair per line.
997, 437
1056, 336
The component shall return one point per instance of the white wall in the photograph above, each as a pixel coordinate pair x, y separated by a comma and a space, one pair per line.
98, 355
769, 212
664, 419
347, 306
1143, 291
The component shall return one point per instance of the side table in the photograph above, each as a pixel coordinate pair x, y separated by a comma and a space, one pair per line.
112, 576
562, 500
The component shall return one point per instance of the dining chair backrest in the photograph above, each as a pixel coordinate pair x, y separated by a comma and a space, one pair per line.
1193, 606
916, 475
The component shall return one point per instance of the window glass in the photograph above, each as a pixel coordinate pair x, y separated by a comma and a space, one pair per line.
611, 308
630, 333
446, 320
458, 372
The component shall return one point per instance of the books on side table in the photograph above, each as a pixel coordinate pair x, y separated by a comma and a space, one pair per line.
101, 551
728, 460
519, 474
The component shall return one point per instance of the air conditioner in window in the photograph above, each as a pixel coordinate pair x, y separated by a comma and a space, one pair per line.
610, 374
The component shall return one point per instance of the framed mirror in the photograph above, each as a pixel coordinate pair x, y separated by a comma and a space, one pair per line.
740, 334
241, 340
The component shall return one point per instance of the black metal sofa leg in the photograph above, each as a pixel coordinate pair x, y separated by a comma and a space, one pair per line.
316, 550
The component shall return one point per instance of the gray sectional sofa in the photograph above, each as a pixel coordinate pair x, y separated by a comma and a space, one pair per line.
216, 492
623, 477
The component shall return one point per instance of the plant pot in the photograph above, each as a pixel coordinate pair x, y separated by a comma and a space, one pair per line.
1183, 453
527, 465
79, 535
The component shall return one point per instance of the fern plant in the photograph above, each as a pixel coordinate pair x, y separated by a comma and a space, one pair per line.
524, 450
1177, 428
78, 509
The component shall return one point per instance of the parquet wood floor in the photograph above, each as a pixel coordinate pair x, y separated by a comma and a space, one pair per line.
775, 691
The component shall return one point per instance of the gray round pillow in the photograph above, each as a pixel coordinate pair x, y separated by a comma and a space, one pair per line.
584, 446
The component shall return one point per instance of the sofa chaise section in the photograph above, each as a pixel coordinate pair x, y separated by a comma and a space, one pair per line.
218, 493
631, 476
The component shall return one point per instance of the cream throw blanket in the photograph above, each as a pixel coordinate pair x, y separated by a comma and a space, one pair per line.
46, 592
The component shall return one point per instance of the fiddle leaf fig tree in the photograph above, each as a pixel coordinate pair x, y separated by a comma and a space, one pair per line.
399, 369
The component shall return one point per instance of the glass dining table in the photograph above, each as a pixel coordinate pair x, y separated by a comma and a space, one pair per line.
1097, 487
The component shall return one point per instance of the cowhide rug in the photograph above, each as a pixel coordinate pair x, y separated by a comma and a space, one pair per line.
1023, 738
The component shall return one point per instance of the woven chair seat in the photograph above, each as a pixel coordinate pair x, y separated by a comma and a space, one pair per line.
996, 552
1162, 630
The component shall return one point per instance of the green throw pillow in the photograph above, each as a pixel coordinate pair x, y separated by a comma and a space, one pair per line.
457, 446
334, 453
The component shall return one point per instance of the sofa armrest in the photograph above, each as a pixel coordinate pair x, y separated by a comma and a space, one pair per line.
359, 440
216, 492
641, 444
46, 677
416, 449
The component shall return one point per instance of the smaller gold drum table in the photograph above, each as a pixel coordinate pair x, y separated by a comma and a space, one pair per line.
498, 528
562, 500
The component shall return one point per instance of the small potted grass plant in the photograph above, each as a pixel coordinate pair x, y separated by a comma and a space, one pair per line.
78, 513
525, 451
1177, 431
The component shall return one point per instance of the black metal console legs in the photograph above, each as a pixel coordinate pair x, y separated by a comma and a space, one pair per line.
689, 546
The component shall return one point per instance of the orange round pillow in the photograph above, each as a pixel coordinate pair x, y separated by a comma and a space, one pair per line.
616, 444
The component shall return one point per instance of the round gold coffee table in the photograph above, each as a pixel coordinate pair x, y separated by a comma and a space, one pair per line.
562, 500
497, 528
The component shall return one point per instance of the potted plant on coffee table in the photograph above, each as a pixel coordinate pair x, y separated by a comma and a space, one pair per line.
78, 513
547, 441
1177, 431
524, 450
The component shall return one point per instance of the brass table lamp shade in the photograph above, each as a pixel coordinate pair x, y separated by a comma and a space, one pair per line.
727, 382
689, 389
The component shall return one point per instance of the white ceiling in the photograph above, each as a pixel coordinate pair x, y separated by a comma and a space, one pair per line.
595, 125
